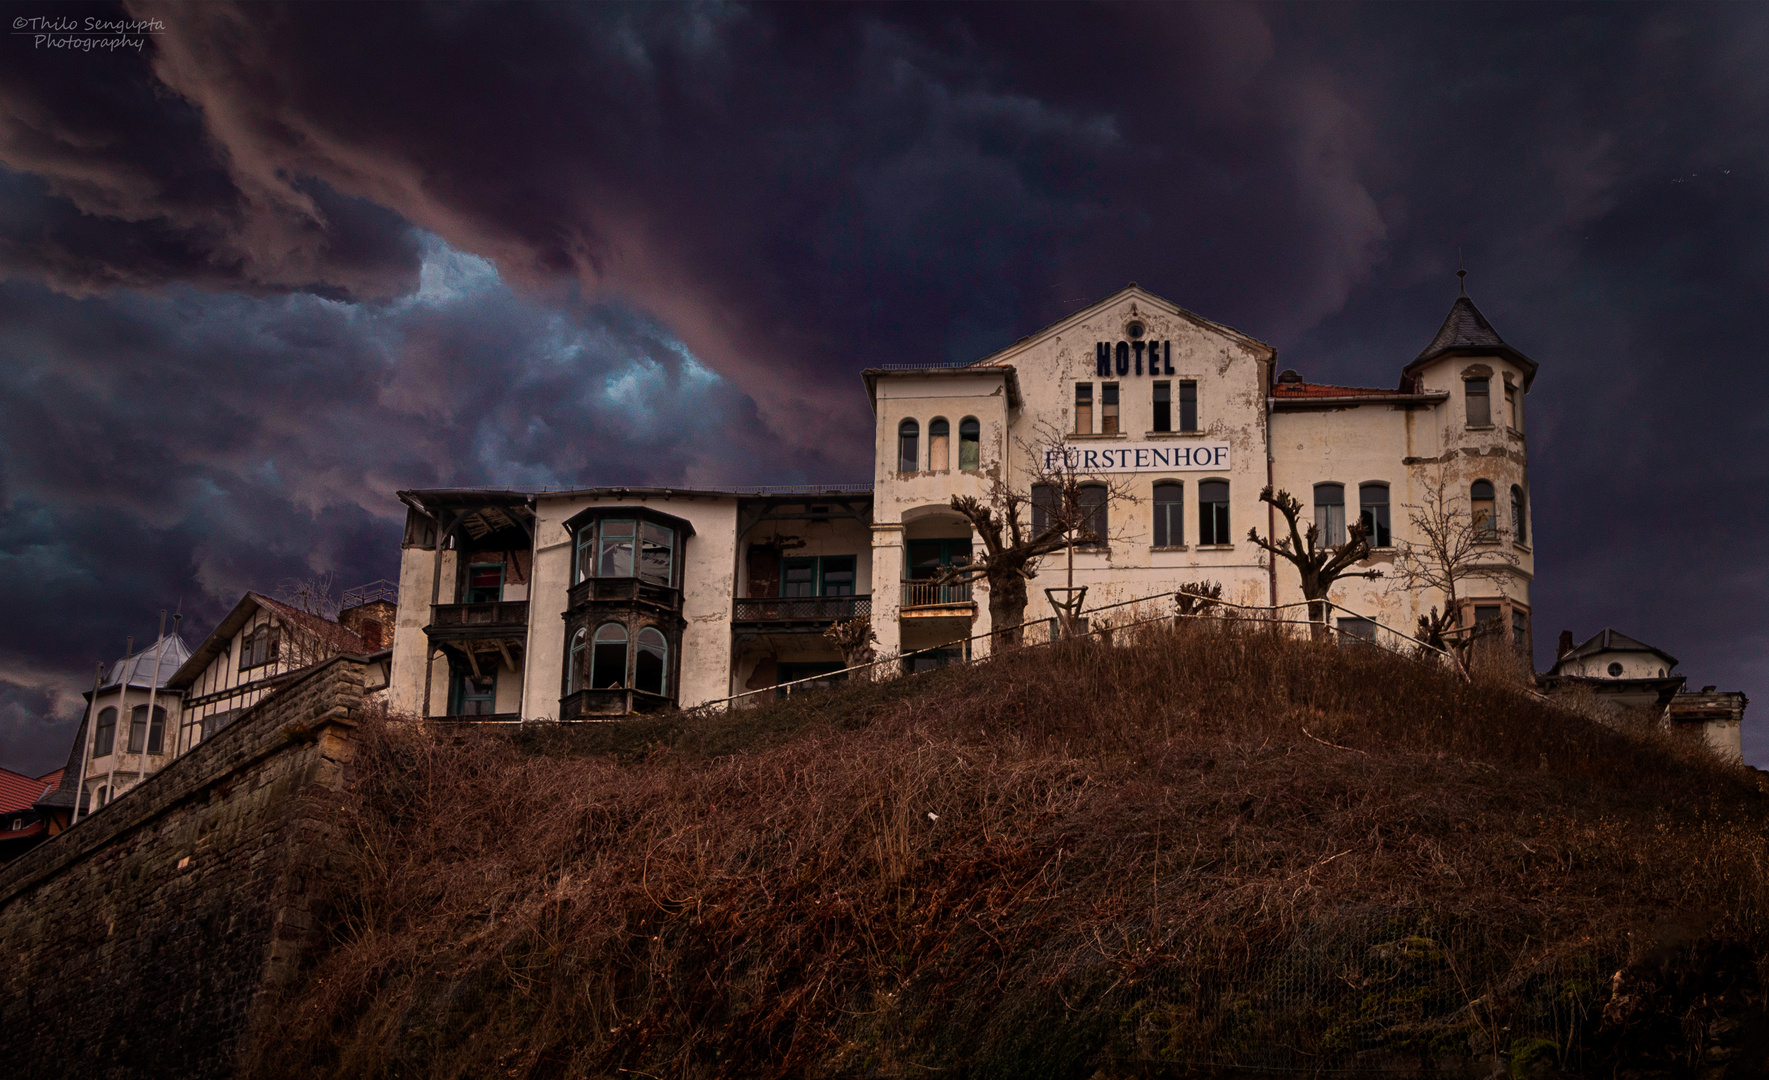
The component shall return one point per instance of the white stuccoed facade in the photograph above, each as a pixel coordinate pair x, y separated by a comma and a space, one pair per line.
684, 596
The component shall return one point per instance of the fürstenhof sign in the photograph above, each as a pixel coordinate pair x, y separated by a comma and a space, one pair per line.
1141, 457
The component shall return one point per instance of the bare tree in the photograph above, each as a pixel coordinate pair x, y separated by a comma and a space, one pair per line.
1319, 567
1074, 507
311, 634
1197, 597
855, 639
1451, 549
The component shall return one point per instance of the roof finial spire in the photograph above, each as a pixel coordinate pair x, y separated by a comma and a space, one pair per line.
1461, 272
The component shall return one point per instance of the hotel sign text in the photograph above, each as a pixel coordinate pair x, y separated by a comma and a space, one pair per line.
1139, 457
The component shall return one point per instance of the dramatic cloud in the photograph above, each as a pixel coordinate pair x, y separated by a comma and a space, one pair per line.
285, 260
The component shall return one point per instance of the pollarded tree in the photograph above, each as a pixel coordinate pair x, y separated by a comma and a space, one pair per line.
1450, 548
1068, 509
1318, 566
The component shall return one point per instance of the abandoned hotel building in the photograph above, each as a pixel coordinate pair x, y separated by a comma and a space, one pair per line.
610, 600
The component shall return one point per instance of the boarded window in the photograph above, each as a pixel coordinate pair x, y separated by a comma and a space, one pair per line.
1188, 405
1480, 405
1480, 500
106, 737
1108, 417
1084, 408
1163, 406
1169, 514
908, 446
939, 444
1373, 511
1329, 514
970, 443
1213, 512
608, 657
649, 661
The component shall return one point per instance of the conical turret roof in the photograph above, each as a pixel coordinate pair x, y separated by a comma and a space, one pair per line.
1466, 332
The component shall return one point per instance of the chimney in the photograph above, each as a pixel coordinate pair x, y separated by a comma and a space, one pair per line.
1565, 645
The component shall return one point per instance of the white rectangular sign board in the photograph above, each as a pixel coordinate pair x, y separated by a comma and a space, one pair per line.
1116, 457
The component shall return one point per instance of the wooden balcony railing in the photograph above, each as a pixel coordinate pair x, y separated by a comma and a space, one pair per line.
611, 701
784, 609
504, 615
927, 594
636, 590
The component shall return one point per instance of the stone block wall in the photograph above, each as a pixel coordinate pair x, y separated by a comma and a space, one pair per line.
140, 942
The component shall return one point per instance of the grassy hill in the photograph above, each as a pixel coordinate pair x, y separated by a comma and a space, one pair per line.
1188, 850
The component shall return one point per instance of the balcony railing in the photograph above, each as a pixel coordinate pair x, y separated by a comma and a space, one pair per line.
503, 615
788, 609
611, 701
928, 594
628, 589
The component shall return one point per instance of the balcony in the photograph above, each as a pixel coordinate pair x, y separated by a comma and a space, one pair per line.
922, 599
609, 702
504, 620
624, 590
790, 613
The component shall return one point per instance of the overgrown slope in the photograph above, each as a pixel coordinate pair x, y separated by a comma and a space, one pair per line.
1194, 848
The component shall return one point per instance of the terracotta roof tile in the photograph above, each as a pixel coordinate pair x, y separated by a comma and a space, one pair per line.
1326, 390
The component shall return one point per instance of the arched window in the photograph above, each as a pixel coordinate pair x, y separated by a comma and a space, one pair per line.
608, 657
649, 667
1092, 498
1213, 512
970, 444
1329, 514
1043, 507
580, 642
1372, 500
106, 734
1518, 513
939, 444
1169, 514
141, 735
908, 446
1480, 501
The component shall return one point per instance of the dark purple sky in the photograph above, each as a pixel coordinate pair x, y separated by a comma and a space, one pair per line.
279, 262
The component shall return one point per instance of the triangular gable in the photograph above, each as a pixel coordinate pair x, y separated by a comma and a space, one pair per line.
1132, 293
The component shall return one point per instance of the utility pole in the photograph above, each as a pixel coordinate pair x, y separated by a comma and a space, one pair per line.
91, 736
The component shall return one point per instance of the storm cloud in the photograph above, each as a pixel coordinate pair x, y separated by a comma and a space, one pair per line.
285, 260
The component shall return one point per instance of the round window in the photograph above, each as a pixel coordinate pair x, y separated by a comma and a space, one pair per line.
1615, 670
1135, 330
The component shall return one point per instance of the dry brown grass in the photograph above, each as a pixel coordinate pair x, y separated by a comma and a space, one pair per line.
1058, 862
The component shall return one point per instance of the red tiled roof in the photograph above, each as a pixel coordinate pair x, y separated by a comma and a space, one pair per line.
1324, 390
18, 792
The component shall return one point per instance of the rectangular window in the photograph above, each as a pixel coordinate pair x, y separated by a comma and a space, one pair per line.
1373, 510
1511, 407
656, 547
106, 740
1213, 512
1355, 629
1519, 629
928, 557
1329, 514
1480, 406
1108, 416
1163, 406
1044, 504
1169, 515
1486, 613
1093, 510
616, 559
141, 735
799, 578
838, 575
1188, 405
475, 696
485, 583
1084, 408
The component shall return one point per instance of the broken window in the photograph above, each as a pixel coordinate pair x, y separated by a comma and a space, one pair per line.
1213, 512
908, 446
616, 552
649, 667
608, 657
1329, 514
1163, 406
259, 647
1372, 501
656, 551
837, 572
141, 735
939, 439
106, 736
1480, 499
1092, 499
1357, 629
970, 443
1480, 406
1518, 514
1108, 414
928, 557
1169, 514
1084, 408
1188, 405
574, 677
485, 583
475, 695
1043, 507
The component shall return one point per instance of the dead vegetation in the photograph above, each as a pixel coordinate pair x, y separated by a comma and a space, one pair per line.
1197, 846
